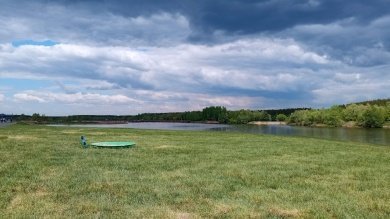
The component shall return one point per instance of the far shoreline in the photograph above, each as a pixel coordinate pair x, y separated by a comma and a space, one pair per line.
267, 123
348, 125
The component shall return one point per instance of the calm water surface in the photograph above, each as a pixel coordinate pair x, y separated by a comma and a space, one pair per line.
372, 136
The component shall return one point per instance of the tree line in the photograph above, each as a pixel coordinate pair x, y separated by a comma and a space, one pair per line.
209, 114
353, 115
371, 114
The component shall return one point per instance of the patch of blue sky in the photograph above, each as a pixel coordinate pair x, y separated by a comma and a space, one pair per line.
18, 43
24, 84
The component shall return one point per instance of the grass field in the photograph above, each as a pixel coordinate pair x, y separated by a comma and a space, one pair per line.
44, 172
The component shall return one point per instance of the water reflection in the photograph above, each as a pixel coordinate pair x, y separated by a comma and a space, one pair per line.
373, 136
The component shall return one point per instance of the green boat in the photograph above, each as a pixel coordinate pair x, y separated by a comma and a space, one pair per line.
107, 144
113, 144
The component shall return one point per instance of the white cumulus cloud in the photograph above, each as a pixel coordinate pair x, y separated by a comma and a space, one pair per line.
28, 97
238, 74
76, 98
259, 63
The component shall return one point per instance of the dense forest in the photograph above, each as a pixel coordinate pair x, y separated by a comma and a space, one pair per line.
375, 113
209, 114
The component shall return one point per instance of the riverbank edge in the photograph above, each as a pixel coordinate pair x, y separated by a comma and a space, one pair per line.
267, 123
345, 125
260, 123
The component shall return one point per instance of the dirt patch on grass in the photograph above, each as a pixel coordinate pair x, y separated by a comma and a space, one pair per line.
221, 209
181, 215
23, 137
81, 132
88, 207
15, 202
173, 174
50, 174
98, 133
285, 213
233, 210
165, 147
71, 132
21, 198
40, 193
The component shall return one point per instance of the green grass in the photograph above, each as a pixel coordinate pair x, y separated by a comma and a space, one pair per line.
44, 172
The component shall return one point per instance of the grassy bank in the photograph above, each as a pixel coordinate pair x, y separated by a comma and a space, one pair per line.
180, 174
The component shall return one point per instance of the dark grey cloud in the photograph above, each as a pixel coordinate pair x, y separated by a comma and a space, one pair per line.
104, 21
339, 29
249, 16
273, 15
181, 54
89, 23
348, 41
235, 16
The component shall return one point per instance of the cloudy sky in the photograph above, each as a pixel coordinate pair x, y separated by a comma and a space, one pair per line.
131, 56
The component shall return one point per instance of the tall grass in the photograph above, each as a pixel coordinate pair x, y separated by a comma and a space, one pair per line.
44, 172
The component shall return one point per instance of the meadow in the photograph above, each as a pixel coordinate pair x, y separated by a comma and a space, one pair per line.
44, 172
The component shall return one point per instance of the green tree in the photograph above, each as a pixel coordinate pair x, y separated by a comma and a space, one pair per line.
35, 117
333, 116
244, 116
259, 116
281, 117
388, 111
215, 113
298, 117
353, 112
22, 117
374, 117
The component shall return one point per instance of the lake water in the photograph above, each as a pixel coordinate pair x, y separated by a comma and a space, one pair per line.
372, 136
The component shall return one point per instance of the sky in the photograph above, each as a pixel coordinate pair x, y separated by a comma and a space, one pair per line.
124, 57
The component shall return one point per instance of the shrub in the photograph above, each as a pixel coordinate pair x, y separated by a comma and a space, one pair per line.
388, 111
281, 117
373, 117
353, 112
333, 116
299, 117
